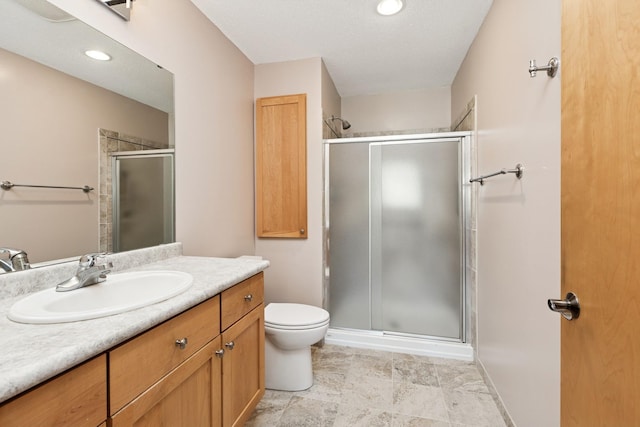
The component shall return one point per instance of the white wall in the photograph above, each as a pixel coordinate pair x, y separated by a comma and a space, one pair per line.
416, 110
295, 274
518, 120
330, 97
213, 119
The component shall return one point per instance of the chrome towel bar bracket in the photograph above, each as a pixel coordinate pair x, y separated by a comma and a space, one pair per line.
8, 185
518, 171
551, 68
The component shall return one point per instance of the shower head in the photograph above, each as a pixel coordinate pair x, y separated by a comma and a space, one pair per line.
345, 124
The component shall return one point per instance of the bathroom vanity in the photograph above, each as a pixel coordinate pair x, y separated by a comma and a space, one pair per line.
195, 359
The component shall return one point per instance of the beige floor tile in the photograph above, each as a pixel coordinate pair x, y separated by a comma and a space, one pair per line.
362, 417
407, 421
326, 386
270, 409
302, 412
473, 409
371, 366
416, 371
358, 387
419, 401
461, 378
368, 392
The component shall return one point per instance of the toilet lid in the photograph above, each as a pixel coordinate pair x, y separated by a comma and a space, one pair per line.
292, 315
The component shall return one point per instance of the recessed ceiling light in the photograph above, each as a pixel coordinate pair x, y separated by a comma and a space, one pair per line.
96, 54
390, 7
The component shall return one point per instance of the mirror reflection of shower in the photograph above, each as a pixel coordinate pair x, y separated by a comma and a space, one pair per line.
345, 125
143, 195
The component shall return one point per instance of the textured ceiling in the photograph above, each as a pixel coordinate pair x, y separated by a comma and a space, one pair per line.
365, 53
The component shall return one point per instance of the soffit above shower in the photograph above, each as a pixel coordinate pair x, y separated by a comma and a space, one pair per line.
421, 47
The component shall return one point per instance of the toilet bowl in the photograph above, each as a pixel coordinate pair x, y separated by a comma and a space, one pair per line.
290, 330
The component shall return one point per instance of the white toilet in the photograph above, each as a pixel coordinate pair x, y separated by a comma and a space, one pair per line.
290, 331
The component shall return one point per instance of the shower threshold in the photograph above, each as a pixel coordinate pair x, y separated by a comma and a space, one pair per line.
380, 340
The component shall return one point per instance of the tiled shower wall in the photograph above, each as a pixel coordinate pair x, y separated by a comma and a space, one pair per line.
111, 142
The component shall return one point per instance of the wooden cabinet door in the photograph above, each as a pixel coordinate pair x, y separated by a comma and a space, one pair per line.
189, 396
76, 398
243, 368
281, 166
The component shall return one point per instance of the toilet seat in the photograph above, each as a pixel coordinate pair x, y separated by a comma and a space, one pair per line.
289, 316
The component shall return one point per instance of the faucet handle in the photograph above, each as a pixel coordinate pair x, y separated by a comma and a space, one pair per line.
89, 260
16, 258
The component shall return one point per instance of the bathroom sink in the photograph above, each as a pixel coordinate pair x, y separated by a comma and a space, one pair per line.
119, 293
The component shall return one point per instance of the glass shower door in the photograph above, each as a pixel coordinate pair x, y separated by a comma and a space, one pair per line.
395, 236
350, 291
416, 245
142, 201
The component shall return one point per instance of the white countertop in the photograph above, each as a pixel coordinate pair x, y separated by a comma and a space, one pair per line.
32, 354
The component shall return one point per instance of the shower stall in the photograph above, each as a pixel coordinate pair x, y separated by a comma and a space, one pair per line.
395, 212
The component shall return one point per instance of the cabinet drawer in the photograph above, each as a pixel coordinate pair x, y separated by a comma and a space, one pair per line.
139, 363
241, 299
75, 398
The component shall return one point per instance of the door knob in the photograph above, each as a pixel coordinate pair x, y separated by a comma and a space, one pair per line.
568, 307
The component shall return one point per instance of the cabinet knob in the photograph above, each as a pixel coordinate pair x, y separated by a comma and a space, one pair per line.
248, 298
302, 231
230, 345
219, 353
182, 343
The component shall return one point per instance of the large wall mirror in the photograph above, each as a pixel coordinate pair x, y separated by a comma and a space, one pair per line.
63, 117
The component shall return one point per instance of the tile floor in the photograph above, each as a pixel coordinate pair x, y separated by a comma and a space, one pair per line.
368, 388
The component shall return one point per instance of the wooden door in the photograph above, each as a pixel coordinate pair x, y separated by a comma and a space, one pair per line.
243, 368
600, 66
281, 166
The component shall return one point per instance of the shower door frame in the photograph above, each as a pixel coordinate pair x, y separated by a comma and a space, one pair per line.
464, 164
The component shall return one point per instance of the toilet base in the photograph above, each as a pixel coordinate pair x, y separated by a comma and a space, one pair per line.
287, 370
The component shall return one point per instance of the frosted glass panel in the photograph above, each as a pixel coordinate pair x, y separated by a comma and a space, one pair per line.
143, 201
395, 236
349, 297
415, 238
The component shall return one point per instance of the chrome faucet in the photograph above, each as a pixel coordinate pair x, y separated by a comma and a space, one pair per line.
89, 273
13, 260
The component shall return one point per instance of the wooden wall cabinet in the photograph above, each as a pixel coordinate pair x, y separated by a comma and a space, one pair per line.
281, 166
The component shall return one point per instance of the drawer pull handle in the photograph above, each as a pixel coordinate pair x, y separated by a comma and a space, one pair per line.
248, 297
182, 343
219, 353
230, 345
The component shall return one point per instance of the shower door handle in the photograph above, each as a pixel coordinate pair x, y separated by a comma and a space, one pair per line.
568, 307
